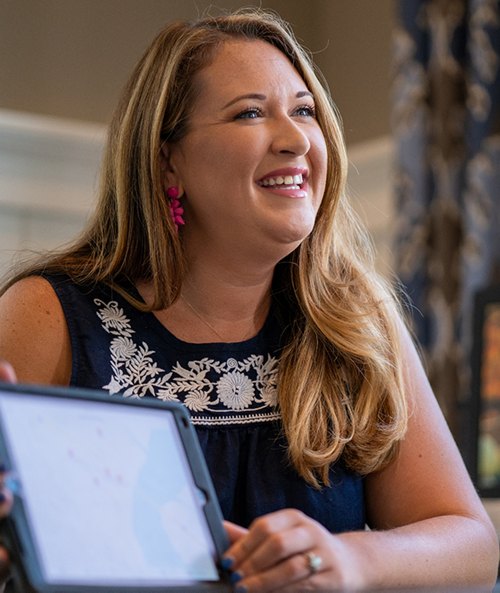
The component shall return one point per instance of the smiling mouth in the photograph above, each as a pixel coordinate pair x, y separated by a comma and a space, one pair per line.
283, 181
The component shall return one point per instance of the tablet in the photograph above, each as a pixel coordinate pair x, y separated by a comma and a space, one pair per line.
110, 494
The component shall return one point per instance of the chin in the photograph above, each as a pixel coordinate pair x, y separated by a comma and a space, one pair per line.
285, 234
294, 235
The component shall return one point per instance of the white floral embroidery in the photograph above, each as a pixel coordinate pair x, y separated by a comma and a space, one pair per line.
197, 401
235, 390
123, 348
215, 388
113, 318
269, 395
135, 373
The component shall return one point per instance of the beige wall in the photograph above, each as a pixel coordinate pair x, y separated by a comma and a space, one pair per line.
70, 58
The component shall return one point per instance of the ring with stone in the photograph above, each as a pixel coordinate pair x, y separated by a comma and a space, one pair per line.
314, 562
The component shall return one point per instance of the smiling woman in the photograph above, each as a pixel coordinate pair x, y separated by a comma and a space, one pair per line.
224, 270
236, 165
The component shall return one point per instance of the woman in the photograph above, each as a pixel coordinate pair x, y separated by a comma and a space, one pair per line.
224, 269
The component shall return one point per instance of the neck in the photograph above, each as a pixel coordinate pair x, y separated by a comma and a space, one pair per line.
217, 306
227, 297
226, 309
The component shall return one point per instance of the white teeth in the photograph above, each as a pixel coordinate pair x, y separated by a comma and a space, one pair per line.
283, 180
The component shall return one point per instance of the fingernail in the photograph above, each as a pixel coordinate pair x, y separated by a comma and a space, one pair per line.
235, 577
227, 562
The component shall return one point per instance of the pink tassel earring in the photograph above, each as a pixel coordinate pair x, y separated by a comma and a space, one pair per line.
176, 209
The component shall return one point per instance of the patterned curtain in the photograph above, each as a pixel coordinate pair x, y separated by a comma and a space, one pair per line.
446, 116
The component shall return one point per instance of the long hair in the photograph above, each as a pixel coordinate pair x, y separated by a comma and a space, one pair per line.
340, 381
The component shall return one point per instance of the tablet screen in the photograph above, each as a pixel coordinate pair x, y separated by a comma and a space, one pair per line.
108, 492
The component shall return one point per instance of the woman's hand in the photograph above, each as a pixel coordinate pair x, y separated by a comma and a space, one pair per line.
7, 373
288, 550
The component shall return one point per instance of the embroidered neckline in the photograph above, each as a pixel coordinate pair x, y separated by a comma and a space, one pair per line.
216, 392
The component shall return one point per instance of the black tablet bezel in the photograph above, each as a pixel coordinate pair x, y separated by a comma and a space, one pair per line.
17, 532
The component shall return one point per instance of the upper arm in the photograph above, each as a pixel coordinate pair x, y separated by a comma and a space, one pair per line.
428, 477
33, 333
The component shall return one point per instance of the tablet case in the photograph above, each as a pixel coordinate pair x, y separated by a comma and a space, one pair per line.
27, 573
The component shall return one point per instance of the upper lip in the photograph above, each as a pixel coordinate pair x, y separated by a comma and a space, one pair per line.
286, 171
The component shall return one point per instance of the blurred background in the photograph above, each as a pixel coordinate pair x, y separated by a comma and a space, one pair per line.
63, 64
417, 83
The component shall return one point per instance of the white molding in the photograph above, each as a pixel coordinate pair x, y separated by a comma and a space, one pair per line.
49, 154
48, 164
50, 128
49, 172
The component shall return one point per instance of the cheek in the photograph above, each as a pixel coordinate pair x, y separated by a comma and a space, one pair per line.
214, 172
318, 148
319, 161
220, 160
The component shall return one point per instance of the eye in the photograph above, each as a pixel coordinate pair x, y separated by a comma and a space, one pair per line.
305, 111
251, 113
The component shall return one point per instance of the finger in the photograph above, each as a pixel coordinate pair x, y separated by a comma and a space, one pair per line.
4, 565
261, 529
6, 496
277, 548
6, 502
292, 574
4, 474
234, 532
7, 372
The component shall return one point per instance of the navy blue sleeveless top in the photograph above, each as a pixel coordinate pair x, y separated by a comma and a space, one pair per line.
229, 391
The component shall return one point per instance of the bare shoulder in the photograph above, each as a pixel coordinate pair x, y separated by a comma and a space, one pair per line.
33, 332
428, 477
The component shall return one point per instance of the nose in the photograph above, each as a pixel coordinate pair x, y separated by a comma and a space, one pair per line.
290, 137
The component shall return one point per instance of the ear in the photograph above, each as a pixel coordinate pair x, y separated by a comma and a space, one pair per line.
168, 169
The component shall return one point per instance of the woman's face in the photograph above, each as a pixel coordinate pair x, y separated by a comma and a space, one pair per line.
252, 165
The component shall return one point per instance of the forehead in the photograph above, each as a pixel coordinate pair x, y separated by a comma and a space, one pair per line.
248, 65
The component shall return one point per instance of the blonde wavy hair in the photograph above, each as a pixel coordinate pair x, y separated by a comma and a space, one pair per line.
340, 381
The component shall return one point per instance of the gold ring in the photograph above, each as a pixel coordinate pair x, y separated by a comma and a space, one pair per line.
314, 562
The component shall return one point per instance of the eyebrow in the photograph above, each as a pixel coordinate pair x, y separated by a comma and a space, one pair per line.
259, 97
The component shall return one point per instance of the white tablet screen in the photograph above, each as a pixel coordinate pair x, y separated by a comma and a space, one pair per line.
108, 492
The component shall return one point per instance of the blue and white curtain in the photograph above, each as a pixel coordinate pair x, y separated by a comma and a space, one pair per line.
446, 116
